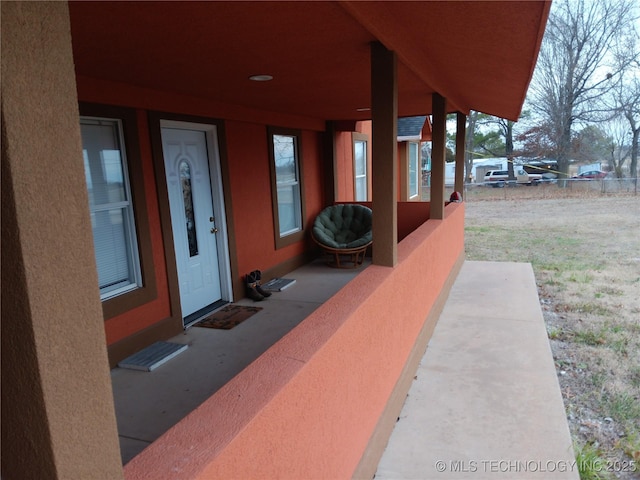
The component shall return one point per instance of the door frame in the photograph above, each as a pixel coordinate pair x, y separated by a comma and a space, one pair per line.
227, 256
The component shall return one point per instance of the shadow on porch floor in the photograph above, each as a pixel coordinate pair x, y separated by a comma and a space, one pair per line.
149, 403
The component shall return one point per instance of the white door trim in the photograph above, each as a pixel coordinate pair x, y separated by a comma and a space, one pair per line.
217, 195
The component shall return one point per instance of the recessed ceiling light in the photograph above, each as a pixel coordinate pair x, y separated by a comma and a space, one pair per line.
261, 78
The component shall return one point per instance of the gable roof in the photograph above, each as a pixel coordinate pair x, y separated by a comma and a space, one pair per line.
410, 128
479, 55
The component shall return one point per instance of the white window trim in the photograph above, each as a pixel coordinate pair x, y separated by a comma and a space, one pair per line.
132, 242
294, 184
291, 236
356, 177
417, 169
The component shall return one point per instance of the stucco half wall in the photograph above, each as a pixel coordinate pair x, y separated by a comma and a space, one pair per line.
311, 406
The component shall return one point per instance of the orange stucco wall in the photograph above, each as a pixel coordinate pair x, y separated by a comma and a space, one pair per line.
248, 161
251, 191
344, 167
364, 127
410, 215
345, 191
314, 416
344, 164
145, 315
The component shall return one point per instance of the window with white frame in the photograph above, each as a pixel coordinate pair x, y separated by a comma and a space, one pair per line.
286, 182
360, 170
111, 206
414, 171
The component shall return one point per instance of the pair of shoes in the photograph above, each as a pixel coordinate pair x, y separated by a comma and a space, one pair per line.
254, 291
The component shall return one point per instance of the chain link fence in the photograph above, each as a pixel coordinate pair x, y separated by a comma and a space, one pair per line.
569, 188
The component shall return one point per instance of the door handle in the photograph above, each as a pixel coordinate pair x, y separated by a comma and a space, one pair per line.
214, 230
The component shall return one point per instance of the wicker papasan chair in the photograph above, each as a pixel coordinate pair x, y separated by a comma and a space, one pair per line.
343, 231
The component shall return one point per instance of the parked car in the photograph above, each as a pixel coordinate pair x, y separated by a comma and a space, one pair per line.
498, 178
591, 175
548, 178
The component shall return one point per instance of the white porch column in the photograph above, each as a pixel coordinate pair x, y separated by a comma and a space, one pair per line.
460, 152
58, 419
438, 156
384, 107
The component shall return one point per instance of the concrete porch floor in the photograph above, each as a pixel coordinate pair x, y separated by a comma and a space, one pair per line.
147, 404
485, 402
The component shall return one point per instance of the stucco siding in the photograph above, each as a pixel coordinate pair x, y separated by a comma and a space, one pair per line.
309, 406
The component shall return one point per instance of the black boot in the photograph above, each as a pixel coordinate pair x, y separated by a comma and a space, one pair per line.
258, 276
252, 292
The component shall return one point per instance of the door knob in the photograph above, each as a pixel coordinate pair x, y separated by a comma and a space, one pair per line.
214, 230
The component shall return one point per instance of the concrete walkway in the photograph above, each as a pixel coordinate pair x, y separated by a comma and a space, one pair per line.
485, 403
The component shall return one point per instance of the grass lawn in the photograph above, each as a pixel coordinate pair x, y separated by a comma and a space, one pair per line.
586, 256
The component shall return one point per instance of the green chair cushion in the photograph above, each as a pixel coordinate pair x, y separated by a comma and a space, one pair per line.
343, 226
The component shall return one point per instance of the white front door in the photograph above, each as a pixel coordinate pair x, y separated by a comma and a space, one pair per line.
194, 223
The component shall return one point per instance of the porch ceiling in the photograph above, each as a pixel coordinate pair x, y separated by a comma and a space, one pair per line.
480, 55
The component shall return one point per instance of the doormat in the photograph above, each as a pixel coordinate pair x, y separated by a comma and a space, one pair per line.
278, 284
153, 356
228, 317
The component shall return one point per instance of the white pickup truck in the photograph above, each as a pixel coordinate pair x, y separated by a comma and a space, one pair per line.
499, 178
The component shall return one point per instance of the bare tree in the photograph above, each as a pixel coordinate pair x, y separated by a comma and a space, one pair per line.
593, 143
469, 146
475, 141
574, 69
506, 129
632, 113
481, 139
618, 145
626, 97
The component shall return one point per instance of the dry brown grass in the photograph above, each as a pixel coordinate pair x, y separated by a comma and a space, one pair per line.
585, 251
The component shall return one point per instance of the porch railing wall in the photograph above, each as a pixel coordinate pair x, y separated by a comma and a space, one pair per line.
410, 215
308, 407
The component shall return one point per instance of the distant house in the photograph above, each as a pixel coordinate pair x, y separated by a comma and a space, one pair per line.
354, 183
412, 131
153, 153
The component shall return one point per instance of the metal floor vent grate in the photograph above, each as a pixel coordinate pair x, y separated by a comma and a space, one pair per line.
153, 356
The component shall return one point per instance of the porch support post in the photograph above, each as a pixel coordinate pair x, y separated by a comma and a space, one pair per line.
58, 418
384, 165
460, 152
330, 180
438, 155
